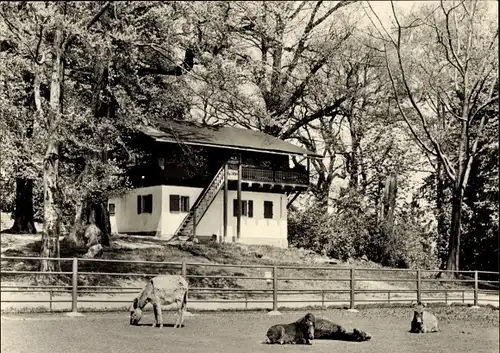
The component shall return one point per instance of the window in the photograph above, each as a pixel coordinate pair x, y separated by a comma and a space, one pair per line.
179, 203
246, 208
111, 209
184, 203
268, 209
144, 203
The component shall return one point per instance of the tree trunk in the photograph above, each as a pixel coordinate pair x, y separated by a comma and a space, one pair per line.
441, 217
452, 263
51, 222
23, 220
99, 216
75, 237
388, 202
90, 213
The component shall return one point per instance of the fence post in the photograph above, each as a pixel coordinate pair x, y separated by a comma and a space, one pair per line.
446, 297
50, 298
322, 298
275, 288
476, 288
419, 287
388, 297
353, 283
463, 296
74, 289
184, 269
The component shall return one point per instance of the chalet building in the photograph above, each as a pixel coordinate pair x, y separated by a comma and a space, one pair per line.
193, 179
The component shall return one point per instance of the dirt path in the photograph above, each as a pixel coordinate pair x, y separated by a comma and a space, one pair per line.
234, 332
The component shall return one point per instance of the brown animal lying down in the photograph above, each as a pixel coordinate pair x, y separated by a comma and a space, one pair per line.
298, 332
327, 330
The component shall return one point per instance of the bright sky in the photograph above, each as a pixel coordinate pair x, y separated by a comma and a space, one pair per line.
384, 11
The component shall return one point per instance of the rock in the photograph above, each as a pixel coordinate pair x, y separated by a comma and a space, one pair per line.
93, 251
364, 258
20, 266
93, 235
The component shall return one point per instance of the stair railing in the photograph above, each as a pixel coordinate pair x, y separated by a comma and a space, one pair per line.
199, 200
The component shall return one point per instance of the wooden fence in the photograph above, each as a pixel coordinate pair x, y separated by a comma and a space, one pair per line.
281, 284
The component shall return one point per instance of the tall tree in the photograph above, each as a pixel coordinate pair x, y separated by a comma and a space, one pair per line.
443, 67
269, 55
47, 30
18, 115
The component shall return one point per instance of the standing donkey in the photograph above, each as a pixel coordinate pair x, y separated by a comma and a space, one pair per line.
161, 290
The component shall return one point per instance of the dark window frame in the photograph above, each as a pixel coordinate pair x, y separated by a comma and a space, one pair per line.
112, 209
179, 203
246, 208
184, 204
145, 204
268, 210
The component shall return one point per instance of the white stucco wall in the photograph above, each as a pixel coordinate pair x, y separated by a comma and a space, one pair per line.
126, 219
258, 230
254, 230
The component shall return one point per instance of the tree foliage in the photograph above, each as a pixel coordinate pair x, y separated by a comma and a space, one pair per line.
79, 80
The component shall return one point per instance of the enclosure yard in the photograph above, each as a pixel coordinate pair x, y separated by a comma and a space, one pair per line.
463, 330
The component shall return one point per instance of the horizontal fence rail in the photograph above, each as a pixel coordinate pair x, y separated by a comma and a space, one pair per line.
281, 284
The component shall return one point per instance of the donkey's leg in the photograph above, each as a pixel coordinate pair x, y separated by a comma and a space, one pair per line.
182, 311
179, 314
160, 316
155, 310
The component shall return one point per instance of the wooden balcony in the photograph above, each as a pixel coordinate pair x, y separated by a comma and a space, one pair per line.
268, 176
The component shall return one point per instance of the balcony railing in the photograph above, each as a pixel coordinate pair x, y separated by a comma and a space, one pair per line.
250, 173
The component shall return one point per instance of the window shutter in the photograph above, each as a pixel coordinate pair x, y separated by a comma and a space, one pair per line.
268, 209
148, 203
250, 208
244, 209
235, 208
139, 204
111, 209
174, 203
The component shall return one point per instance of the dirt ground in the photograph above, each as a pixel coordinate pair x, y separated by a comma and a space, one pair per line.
462, 331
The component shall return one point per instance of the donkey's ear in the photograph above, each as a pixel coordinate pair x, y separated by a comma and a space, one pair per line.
136, 301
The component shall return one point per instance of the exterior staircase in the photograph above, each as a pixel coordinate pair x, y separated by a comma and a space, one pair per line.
201, 205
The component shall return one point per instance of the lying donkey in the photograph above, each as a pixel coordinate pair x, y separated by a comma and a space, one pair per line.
161, 290
327, 330
423, 321
298, 332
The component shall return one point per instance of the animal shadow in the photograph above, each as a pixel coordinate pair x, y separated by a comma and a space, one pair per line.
157, 325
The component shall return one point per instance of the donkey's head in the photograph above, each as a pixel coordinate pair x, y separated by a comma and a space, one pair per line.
308, 323
135, 312
361, 336
418, 317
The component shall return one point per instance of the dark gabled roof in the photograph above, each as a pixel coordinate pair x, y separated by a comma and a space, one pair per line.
226, 137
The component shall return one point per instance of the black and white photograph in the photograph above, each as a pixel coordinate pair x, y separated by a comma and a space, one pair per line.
249, 176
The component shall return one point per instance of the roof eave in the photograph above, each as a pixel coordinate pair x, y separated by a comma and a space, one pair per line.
287, 153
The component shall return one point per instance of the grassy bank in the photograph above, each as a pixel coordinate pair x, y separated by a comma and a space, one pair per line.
334, 277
